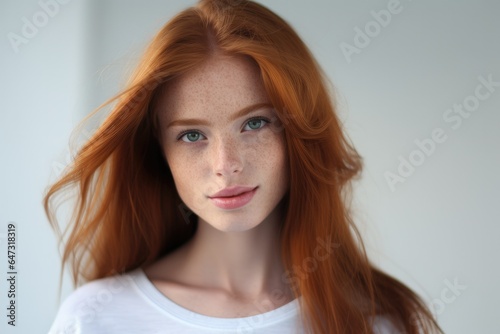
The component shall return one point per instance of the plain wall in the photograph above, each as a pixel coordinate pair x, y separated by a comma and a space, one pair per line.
437, 228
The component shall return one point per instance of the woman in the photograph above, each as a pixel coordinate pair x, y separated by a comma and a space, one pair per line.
214, 197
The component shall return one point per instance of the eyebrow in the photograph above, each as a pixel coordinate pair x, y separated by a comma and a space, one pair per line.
238, 114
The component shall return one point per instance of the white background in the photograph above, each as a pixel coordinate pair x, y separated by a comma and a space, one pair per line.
438, 227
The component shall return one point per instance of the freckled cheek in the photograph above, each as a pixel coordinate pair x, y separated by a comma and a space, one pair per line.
185, 168
268, 150
278, 159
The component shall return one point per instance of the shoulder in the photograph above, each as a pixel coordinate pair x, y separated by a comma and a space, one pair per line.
83, 309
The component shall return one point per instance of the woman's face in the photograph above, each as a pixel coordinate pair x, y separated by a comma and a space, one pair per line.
222, 147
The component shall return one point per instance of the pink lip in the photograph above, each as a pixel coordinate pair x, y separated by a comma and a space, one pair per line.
232, 191
234, 202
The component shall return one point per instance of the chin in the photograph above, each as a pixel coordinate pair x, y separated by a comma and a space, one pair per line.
232, 225
238, 227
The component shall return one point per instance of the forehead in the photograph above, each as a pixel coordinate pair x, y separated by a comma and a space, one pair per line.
220, 86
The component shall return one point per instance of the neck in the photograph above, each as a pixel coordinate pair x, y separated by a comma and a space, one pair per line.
244, 264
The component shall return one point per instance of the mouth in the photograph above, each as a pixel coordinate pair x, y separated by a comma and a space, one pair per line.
235, 201
232, 191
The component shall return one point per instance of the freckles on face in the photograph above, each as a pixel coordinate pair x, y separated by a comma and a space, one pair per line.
219, 150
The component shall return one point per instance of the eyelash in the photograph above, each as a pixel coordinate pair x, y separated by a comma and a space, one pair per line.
257, 118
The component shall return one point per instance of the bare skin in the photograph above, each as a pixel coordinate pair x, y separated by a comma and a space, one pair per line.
232, 266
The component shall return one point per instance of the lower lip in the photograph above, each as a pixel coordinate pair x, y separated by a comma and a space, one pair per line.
235, 201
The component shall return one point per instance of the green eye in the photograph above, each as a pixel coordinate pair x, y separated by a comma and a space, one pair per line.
192, 136
256, 123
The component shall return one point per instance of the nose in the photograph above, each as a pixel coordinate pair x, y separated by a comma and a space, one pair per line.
226, 156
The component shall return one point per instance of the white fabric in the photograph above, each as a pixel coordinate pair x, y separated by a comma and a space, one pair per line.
130, 303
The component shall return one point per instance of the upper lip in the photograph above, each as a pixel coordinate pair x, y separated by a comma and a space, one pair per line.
232, 191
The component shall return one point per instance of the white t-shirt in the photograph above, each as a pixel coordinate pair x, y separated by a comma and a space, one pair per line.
130, 303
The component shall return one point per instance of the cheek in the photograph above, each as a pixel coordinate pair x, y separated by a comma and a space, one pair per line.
268, 151
182, 167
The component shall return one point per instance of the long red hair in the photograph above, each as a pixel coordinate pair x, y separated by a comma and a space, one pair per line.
128, 213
